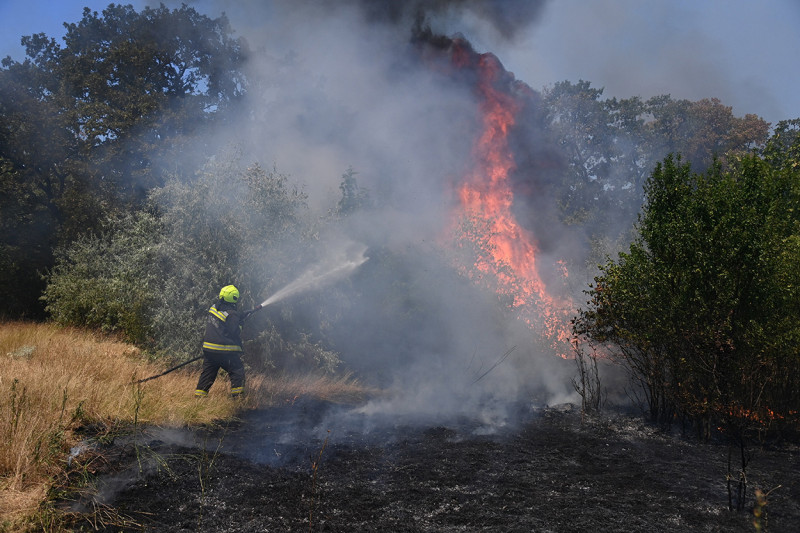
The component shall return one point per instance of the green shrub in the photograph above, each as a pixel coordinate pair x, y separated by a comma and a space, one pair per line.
151, 275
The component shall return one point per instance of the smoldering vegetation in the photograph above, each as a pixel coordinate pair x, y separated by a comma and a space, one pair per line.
556, 471
375, 90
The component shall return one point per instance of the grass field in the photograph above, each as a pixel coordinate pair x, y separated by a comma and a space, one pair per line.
54, 380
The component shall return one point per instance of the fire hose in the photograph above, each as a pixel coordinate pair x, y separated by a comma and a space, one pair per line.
245, 316
192, 360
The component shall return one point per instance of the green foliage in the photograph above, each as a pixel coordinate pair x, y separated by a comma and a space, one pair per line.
783, 148
153, 274
85, 128
109, 281
704, 307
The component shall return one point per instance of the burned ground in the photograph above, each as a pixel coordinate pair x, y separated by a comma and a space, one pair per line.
293, 469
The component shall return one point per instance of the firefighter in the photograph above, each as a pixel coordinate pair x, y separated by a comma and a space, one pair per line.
222, 344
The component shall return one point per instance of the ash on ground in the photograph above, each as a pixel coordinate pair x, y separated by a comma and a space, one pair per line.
556, 471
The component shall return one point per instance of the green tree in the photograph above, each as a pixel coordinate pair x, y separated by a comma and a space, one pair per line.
783, 148
109, 280
579, 123
704, 307
86, 128
136, 85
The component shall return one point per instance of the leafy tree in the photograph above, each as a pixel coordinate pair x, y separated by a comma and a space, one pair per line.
26, 226
109, 281
580, 124
702, 131
139, 84
703, 308
87, 127
783, 148
612, 146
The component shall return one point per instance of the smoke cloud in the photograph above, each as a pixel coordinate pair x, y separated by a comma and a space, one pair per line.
338, 85
690, 50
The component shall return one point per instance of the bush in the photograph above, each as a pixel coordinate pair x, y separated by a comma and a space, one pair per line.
704, 308
152, 275
108, 281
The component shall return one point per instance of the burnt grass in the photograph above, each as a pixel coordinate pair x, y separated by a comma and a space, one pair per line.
299, 468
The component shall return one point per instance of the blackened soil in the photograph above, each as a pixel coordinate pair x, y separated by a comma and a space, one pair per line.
293, 469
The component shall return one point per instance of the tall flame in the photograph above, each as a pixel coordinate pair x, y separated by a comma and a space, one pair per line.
486, 194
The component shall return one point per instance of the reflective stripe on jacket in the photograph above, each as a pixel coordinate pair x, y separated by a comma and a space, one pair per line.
223, 329
221, 347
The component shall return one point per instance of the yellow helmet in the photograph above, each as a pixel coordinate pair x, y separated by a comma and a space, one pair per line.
229, 293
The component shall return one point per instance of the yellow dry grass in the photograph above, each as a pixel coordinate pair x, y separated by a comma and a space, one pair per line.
53, 379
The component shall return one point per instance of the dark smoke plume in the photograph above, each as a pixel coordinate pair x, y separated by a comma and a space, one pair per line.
506, 17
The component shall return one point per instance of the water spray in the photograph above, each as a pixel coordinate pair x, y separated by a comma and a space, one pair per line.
317, 276
313, 278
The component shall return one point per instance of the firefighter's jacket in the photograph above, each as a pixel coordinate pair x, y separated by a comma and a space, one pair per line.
223, 329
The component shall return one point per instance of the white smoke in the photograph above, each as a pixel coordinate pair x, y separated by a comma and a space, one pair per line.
333, 86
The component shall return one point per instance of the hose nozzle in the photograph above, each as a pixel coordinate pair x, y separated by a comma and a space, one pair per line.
253, 310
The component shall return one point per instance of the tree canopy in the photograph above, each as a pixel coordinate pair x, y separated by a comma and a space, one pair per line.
611, 145
88, 127
703, 307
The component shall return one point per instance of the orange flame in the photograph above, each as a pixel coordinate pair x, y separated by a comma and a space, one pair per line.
487, 194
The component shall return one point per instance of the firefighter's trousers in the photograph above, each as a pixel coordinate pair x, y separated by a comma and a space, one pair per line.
231, 362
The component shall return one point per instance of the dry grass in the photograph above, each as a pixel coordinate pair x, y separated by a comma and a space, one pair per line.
53, 379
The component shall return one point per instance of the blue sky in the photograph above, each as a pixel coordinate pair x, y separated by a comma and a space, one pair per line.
741, 51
